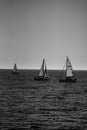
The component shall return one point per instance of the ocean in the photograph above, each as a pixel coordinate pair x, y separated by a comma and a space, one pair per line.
26, 104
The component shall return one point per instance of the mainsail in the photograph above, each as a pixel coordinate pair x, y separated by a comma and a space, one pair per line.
69, 71
43, 70
41, 73
15, 68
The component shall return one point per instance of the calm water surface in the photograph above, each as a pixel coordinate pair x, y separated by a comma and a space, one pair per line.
32, 105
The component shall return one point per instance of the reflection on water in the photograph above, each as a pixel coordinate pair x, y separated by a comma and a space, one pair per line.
31, 105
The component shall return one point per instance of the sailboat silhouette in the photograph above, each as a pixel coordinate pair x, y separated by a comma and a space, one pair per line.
69, 75
15, 70
43, 74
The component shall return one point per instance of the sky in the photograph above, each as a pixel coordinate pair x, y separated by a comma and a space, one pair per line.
31, 30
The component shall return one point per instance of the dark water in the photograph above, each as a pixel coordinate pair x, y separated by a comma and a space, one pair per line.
31, 105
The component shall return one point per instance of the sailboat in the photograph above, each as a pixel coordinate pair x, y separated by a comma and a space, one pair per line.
43, 74
69, 75
15, 70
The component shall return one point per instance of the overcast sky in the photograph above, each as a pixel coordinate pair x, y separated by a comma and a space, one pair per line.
31, 30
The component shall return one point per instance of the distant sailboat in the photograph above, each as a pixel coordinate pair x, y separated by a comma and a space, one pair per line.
43, 74
15, 70
69, 76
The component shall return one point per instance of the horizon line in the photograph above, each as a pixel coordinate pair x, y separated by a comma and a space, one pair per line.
39, 69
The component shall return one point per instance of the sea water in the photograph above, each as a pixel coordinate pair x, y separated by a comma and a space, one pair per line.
42, 105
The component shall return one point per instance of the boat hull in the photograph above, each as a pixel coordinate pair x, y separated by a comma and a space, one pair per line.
15, 72
41, 78
68, 80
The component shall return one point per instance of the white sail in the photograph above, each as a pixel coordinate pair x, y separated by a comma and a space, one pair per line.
41, 73
43, 70
15, 68
69, 71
